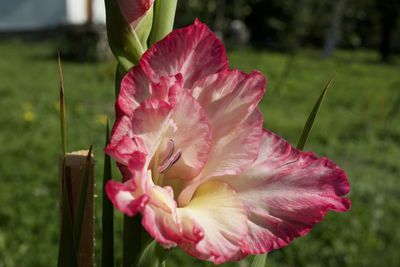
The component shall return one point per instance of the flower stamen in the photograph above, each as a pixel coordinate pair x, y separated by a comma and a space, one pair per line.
170, 159
163, 168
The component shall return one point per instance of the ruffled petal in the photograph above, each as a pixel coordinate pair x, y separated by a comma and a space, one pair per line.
134, 89
230, 99
191, 135
237, 92
150, 122
126, 148
168, 89
194, 51
160, 217
228, 155
286, 192
234, 152
121, 195
218, 219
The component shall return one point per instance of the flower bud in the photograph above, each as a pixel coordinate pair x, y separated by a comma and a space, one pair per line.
129, 24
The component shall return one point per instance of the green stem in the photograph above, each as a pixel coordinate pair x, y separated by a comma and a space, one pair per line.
163, 19
259, 260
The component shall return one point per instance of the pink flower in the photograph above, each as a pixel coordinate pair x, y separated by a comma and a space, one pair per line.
134, 10
197, 163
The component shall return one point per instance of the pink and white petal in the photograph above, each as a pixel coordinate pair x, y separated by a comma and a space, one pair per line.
160, 225
132, 10
150, 121
124, 146
127, 148
286, 192
160, 217
237, 92
168, 88
230, 155
122, 127
123, 143
216, 216
194, 51
234, 125
191, 135
135, 88
121, 195
236, 150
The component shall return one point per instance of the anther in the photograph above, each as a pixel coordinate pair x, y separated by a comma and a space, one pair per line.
169, 162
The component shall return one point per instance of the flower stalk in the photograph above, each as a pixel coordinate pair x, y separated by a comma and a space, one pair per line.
163, 21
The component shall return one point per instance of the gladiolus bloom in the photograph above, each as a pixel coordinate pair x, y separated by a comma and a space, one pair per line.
197, 163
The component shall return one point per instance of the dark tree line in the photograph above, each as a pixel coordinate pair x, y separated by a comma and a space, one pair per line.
287, 25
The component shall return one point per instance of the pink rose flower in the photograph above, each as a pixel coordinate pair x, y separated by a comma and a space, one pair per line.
197, 163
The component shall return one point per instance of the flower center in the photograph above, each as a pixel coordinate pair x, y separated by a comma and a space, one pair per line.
170, 157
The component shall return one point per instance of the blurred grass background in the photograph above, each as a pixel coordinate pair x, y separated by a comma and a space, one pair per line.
358, 127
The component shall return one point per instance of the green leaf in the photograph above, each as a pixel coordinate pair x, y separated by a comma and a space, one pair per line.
67, 256
62, 108
107, 241
259, 260
311, 118
153, 255
163, 19
132, 235
82, 200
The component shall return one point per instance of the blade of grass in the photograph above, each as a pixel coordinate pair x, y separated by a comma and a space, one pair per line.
311, 118
259, 260
67, 256
62, 108
107, 242
82, 201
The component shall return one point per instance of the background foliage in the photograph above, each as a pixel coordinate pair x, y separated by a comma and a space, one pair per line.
283, 24
358, 125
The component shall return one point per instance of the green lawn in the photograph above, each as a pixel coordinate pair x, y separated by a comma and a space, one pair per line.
358, 127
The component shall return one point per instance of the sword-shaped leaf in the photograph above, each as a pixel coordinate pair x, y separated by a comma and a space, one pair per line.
311, 118
82, 200
107, 241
